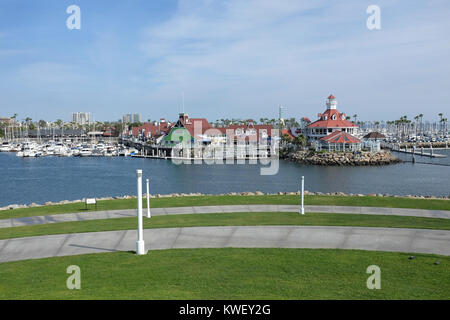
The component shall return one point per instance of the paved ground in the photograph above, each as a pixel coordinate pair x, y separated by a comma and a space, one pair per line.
95, 215
379, 239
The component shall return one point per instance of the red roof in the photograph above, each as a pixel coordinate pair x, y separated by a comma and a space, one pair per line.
193, 125
326, 120
331, 97
288, 132
152, 128
340, 137
306, 119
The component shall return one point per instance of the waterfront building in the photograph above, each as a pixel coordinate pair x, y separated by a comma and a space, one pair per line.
376, 136
81, 118
6, 120
291, 133
200, 131
186, 130
151, 130
339, 141
249, 133
330, 121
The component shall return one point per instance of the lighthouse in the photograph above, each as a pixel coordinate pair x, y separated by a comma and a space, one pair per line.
330, 121
331, 103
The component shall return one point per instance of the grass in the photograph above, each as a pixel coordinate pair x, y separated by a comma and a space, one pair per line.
229, 219
365, 201
229, 273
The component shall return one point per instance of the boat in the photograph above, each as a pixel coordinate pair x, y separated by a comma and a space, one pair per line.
124, 153
85, 151
5, 147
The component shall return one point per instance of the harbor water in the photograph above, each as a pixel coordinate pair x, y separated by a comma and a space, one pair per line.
38, 180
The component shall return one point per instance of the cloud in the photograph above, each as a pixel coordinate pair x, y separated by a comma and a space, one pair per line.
250, 56
49, 75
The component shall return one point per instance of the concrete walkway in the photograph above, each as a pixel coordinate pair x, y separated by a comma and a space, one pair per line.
96, 215
379, 239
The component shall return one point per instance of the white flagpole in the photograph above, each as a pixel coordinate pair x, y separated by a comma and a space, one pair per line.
149, 215
302, 209
140, 244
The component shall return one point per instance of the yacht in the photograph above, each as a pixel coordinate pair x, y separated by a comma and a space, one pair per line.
124, 152
5, 147
86, 151
29, 150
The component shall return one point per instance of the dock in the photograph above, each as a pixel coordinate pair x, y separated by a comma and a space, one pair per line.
414, 151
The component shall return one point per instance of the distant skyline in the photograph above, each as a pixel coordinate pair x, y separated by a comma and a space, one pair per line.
231, 59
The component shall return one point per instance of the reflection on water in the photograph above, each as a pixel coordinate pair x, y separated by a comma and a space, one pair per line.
54, 179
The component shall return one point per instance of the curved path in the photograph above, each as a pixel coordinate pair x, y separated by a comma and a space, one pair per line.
379, 239
96, 215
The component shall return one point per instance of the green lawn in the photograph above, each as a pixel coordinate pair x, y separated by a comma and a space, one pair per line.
229, 219
229, 274
366, 201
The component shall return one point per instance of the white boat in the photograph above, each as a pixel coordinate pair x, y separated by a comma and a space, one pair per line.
16, 148
124, 152
5, 147
29, 152
75, 151
85, 151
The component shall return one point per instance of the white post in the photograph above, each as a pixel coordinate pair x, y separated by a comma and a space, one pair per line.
302, 208
140, 245
149, 215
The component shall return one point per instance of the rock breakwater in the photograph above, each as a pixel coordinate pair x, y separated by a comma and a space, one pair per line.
343, 158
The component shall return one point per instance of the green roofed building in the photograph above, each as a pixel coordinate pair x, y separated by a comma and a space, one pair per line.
186, 131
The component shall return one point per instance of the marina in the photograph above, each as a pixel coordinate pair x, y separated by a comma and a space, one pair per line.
54, 178
31, 149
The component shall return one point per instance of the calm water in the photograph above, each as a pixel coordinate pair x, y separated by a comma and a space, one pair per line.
25, 180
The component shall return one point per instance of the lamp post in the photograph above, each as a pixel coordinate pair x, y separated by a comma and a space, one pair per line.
302, 208
149, 215
140, 244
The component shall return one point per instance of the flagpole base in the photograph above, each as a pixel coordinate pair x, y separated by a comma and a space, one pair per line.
140, 247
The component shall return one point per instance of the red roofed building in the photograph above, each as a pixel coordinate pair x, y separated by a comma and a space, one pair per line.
288, 133
329, 121
199, 130
149, 130
340, 141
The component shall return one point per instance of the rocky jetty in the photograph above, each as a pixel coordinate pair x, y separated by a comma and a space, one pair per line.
343, 158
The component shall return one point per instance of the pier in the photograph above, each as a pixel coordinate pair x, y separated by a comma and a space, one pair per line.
414, 151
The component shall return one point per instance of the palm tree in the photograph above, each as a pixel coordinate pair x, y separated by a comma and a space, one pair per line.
354, 117
440, 121
376, 123
417, 122
421, 124
300, 140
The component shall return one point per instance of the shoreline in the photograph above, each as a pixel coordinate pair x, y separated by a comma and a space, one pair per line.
256, 193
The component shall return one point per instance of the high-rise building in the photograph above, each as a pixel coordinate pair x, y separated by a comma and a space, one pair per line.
81, 117
131, 118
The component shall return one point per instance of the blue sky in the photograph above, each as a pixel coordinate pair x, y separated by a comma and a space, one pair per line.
232, 59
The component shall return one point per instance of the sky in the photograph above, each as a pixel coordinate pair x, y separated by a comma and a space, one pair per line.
230, 59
